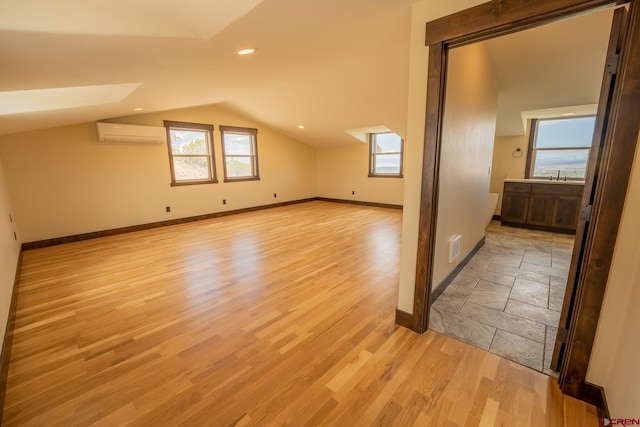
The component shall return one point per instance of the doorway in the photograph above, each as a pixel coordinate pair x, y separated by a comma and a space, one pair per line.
604, 195
508, 297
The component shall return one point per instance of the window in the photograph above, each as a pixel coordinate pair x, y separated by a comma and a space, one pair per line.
190, 153
560, 147
240, 153
385, 154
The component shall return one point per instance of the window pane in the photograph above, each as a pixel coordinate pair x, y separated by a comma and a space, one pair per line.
570, 163
190, 168
387, 143
188, 141
239, 167
576, 132
387, 164
235, 143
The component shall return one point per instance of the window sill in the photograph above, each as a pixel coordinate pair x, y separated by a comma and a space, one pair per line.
183, 183
384, 176
241, 179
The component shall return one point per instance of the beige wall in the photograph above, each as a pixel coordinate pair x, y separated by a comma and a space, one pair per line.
9, 252
614, 361
468, 132
505, 166
63, 182
422, 12
343, 169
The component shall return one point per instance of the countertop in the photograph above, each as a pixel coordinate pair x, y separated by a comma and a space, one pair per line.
545, 181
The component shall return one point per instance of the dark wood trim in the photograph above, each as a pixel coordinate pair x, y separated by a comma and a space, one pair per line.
533, 129
254, 157
606, 90
7, 344
495, 217
361, 203
238, 129
436, 83
168, 124
595, 395
403, 318
538, 227
608, 203
141, 227
257, 178
183, 183
533, 135
449, 279
372, 173
500, 17
122, 230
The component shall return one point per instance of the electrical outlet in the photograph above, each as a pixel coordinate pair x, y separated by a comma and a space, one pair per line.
224, 201
168, 208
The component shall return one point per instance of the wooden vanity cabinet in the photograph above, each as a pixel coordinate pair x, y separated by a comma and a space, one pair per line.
553, 207
515, 203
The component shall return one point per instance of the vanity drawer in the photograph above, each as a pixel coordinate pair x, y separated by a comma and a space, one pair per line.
517, 187
558, 189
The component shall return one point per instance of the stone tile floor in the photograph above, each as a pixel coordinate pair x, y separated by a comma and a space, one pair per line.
508, 298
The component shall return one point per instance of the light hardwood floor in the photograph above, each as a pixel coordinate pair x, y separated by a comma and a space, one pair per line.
277, 317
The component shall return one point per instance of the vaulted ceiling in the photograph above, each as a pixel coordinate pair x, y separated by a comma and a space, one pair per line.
330, 65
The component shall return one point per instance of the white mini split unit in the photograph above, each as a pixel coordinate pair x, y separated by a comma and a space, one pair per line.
115, 132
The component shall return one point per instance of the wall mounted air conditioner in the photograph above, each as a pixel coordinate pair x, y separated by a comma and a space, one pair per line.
115, 132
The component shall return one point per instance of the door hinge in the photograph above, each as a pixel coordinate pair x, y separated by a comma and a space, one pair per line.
585, 213
562, 335
611, 66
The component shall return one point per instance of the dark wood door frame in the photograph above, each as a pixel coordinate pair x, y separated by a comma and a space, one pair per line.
501, 17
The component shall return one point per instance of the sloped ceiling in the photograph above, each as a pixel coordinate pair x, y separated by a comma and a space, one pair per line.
330, 65
556, 67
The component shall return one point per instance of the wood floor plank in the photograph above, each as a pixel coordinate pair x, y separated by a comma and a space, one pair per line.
283, 317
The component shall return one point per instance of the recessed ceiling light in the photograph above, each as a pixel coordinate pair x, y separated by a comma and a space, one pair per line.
246, 51
300, 127
138, 109
568, 114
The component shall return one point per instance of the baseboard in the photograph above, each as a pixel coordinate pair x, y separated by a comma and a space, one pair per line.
361, 203
403, 318
537, 227
141, 227
447, 280
7, 343
594, 394
122, 230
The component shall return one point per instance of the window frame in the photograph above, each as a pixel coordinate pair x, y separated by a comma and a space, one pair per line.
372, 155
253, 134
210, 156
532, 150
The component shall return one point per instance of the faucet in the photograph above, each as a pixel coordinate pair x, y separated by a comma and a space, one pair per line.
558, 178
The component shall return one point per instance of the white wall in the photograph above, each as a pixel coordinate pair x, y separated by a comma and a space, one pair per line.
468, 133
63, 181
343, 169
505, 166
9, 252
614, 361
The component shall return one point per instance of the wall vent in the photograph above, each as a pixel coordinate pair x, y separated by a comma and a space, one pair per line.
454, 247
